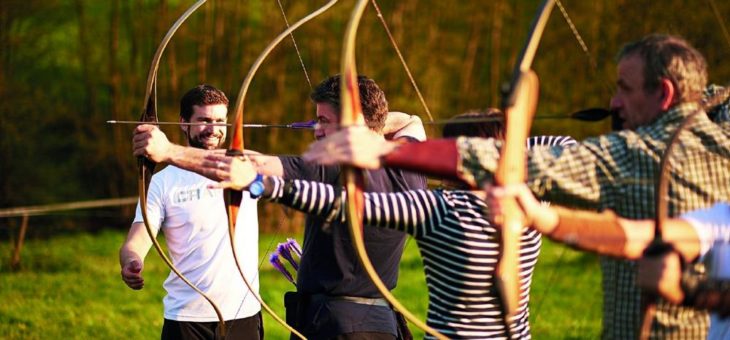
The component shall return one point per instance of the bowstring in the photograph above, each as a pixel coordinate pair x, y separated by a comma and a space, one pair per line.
608, 86
407, 69
283, 212
263, 259
579, 38
296, 47
402, 60
594, 67
550, 282
576, 34
716, 11
410, 78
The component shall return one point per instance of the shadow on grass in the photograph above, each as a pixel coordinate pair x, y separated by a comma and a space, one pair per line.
14, 322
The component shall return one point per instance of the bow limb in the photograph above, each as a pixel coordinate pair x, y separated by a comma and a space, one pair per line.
353, 179
233, 198
146, 166
520, 102
658, 246
510, 171
662, 186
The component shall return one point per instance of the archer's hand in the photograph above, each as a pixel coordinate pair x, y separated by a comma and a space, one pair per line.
356, 146
399, 124
150, 142
132, 274
536, 214
235, 173
661, 275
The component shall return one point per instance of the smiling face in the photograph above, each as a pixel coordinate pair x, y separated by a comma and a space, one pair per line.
206, 136
635, 104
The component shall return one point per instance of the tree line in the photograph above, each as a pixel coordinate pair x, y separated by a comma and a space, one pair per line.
67, 66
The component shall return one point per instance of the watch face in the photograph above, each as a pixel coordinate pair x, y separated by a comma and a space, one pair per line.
256, 189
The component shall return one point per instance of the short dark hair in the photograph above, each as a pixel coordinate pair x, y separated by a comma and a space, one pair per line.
200, 95
489, 124
671, 57
372, 99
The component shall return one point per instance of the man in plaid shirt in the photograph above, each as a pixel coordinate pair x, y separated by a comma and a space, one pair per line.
660, 82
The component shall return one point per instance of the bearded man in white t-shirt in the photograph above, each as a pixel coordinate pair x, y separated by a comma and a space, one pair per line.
194, 222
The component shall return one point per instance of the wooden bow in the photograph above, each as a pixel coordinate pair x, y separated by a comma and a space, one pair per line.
658, 247
232, 197
519, 104
146, 166
351, 114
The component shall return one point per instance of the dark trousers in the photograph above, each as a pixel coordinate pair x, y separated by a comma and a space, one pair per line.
296, 305
365, 336
246, 328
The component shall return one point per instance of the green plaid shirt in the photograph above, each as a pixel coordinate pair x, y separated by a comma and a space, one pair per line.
618, 171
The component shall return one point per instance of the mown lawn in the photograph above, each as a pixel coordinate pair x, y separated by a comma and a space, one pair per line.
69, 287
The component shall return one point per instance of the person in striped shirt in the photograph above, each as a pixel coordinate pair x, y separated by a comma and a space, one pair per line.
458, 245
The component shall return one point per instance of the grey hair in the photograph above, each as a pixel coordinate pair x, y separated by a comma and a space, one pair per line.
673, 58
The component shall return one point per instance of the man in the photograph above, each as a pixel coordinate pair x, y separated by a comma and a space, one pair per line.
329, 272
660, 80
695, 234
194, 221
335, 298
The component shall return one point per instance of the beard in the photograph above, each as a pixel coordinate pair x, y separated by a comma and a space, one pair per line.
200, 142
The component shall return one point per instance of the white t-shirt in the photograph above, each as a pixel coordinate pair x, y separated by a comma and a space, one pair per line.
195, 226
713, 228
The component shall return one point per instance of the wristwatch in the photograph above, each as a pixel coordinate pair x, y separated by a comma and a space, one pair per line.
256, 188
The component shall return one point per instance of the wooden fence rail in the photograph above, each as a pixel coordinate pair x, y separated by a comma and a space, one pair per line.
26, 212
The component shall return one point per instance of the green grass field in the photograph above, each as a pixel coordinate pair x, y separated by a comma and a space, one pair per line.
69, 287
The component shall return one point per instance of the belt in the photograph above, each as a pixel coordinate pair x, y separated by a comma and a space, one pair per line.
354, 299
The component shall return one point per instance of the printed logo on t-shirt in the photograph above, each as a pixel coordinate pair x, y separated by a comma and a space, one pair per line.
193, 194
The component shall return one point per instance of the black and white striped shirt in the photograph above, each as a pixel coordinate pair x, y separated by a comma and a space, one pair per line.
458, 245
550, 141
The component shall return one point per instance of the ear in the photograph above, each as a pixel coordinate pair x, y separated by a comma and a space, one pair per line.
182, 127
669, 93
